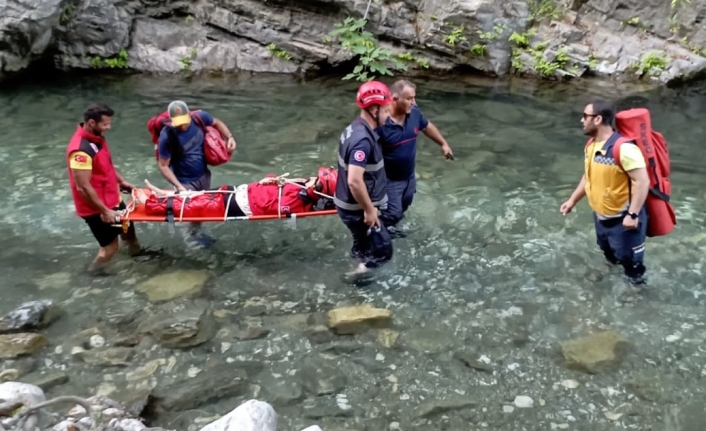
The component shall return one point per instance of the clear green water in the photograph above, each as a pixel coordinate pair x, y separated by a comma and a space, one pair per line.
491, 265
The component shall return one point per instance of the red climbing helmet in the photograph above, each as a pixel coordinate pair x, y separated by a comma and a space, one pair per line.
328, 178
373, 93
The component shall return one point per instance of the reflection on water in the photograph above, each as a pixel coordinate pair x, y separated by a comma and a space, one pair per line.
491, 265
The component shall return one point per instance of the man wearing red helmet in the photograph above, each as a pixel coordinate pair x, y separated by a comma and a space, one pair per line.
363, 186
399, 128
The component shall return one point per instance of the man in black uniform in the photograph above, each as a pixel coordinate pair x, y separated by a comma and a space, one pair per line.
361, 190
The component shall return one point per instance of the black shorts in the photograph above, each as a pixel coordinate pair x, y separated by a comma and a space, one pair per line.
104, 233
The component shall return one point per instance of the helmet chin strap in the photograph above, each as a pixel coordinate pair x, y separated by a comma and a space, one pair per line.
375, 118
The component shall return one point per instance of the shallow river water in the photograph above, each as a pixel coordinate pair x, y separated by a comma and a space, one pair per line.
491, 272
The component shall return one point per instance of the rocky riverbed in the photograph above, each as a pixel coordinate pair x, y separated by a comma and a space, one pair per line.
180, 355
650, 40
25, 408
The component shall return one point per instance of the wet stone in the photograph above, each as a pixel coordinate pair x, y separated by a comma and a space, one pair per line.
187, 328
254, 310
9, 375
686, 417
596, 353
111, 356
320, 334
191, 393
437, 407
649, 386
326, 408
355, 319
30, 315
130, 340
135, 401
46, 381
165, 287
427, 340
387, 337
320, 378
343, 347
250, 331
283, 393
22, 344
471, 359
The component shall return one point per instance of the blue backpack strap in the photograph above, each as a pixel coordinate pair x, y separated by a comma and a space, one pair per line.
618, 140
199, 122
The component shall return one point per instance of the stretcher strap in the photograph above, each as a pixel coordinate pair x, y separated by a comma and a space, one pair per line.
170, 209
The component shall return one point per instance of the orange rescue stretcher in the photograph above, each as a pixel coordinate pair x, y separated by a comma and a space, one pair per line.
136, 212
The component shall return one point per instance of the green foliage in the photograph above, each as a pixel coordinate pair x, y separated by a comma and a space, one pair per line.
279, 53
478, 49
66, 14
592, 62
186, 61
522, 40
654, 63
455, 36
540, 65
487, 37
542, 9
547, 68
116, 62
676, 6
373, 60
679, 3
494, 34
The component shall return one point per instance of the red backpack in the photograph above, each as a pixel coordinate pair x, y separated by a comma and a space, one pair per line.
215, 147
635, 126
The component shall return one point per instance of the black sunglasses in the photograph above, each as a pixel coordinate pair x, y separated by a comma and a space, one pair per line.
585, 115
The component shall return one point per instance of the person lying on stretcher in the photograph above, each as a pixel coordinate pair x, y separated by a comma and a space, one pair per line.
270, 196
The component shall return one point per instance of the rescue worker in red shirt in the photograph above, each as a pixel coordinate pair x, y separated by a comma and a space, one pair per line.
270, 196
96, 185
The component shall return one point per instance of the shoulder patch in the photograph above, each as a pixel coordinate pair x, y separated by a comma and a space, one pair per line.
359, 155
88, 147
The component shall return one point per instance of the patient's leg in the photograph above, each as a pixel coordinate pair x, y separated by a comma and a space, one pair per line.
141, 196
157, 191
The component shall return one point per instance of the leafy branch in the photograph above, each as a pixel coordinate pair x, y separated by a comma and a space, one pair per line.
372, 58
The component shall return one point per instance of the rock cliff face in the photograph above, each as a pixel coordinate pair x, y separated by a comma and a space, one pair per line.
623, 39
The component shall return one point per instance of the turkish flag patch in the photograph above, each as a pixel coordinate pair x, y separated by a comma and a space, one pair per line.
359, 155
80, 158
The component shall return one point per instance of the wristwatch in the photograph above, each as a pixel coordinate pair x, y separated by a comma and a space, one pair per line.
633, 215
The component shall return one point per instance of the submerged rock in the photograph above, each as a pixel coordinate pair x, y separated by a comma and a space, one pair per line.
224, 382
187, 328
46, 381
321, 378
350, 320
436, 407
165, 287
603, 351
252, 415
27, 394
15, 345
28, 316
111, 356
472, 360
